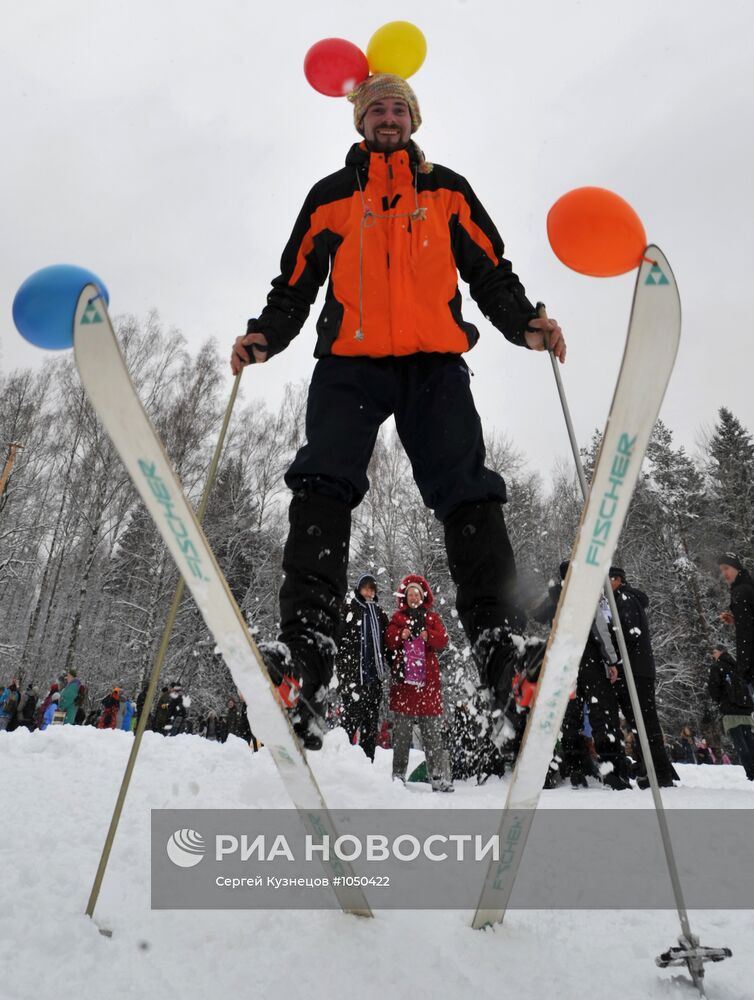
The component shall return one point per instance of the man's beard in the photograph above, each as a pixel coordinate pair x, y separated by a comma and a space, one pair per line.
377, 145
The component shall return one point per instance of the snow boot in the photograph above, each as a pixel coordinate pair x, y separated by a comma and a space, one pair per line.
578, 779
615, 781
440, 784
306, 661
308, 717
553, 778
617, 778
443, 782
529, 666
665, 781
277, 659
511, 670
496, 658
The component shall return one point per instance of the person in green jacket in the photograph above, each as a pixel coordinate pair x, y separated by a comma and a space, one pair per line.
68, 697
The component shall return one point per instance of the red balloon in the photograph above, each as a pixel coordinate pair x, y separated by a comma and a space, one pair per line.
335, 67
594, 231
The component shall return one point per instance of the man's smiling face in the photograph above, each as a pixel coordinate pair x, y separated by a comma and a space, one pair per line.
387, 125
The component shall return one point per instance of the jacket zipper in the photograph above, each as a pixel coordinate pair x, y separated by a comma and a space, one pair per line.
389, 198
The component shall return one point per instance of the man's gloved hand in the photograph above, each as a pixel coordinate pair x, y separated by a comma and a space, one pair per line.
247, 350
545, 334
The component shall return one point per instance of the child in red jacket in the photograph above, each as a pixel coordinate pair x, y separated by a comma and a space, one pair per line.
414, 636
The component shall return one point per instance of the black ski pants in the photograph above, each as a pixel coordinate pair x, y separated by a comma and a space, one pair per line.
645, 687
361, 713
430, 397
743, 741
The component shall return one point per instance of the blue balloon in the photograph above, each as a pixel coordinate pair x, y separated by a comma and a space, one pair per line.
45, 305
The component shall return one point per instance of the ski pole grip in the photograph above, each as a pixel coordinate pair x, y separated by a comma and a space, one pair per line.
542, 314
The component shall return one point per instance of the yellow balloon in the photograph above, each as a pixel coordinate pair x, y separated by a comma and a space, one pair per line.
398, 47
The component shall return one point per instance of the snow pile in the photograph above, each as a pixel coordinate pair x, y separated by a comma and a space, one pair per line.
58, 789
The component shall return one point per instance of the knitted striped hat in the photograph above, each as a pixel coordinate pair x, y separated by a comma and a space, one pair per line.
378, 88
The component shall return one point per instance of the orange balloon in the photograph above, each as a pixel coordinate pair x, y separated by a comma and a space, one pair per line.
594, 231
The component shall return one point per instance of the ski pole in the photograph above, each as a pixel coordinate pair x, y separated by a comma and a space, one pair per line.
157, 667
630, 683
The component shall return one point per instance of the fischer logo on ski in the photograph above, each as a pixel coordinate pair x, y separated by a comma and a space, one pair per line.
549, 721
513, 836
611, 498
178, 528
656, 276
91, 315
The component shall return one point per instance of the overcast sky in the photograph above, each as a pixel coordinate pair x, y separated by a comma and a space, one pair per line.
169, 146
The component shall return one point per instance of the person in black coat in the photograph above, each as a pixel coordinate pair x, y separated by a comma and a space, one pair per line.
686, 747
142, 697
229, 721
161, 711
27, 707
82, 699
727, 687
632, 607
595, 689
243, 728
178, 704
361, 663
211, 728
741, 613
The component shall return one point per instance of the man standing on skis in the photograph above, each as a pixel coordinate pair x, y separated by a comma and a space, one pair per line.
392, 232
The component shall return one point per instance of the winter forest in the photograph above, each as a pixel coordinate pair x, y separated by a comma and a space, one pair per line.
85, 581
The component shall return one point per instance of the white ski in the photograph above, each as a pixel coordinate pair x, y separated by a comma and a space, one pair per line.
110, 390
651, 346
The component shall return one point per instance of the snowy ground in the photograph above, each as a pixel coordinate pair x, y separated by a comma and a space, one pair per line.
57, 791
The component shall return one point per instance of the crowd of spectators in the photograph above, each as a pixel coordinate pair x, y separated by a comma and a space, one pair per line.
389, 692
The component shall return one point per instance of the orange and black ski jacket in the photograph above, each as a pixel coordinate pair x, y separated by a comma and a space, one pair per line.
392, 232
